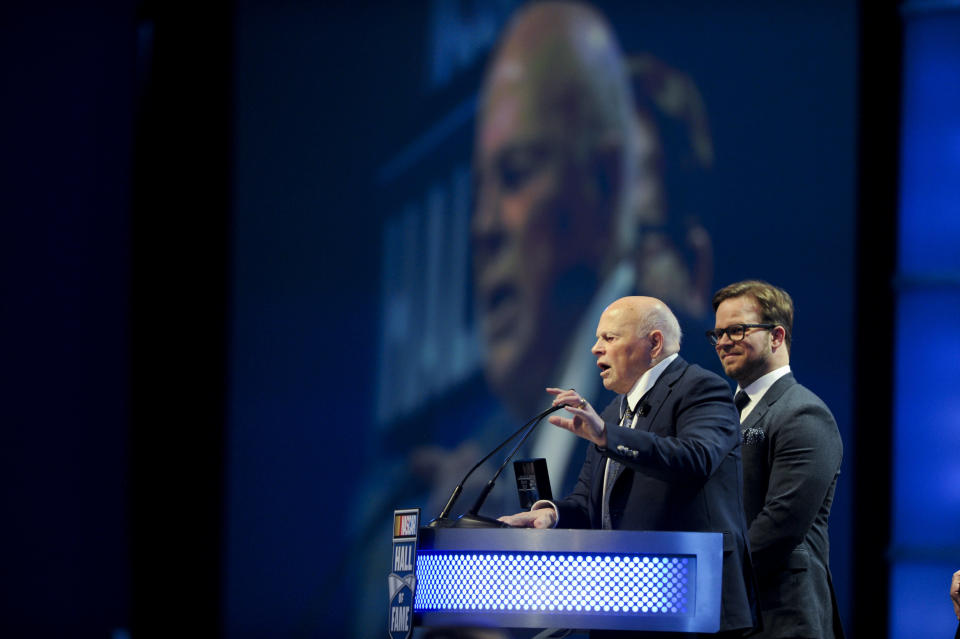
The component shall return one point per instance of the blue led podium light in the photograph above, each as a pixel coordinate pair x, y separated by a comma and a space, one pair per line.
582, 583
565, 578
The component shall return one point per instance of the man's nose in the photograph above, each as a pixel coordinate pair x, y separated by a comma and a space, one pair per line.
487, 228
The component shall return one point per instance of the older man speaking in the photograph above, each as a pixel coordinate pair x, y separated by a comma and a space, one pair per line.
666, 452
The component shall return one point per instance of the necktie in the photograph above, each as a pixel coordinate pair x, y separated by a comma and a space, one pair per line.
627, 417
613, 471
740, 401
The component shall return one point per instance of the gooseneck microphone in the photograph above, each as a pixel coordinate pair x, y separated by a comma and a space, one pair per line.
471, 519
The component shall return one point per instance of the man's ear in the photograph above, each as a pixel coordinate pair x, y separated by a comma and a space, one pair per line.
777, 336
656, 344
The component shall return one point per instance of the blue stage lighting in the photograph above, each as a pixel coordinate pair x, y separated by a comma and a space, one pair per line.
586, 583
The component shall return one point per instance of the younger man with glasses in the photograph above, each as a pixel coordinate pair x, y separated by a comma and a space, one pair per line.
791, 460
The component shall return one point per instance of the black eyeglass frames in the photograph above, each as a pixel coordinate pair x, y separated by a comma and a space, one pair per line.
735, 332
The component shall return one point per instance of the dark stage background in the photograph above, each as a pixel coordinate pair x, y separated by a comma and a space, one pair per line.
245, 306
354, 344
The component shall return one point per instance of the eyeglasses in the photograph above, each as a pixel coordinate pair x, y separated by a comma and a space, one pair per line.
735, 332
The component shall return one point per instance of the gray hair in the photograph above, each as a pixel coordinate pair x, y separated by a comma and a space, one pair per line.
661, 318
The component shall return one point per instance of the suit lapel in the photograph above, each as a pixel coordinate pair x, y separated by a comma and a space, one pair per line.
769, 398
657, 396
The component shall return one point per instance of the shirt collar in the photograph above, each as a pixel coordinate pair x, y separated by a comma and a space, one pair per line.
760, 386
647, 380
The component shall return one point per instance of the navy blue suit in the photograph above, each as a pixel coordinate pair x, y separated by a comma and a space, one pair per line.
682, 473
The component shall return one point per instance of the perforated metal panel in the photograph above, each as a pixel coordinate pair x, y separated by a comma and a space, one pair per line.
569, 579
588, 583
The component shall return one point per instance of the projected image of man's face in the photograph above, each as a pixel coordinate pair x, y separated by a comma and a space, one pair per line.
549, 164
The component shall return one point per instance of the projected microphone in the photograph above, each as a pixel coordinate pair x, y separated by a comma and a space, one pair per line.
471, 519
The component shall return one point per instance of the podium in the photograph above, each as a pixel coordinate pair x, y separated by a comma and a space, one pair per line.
561, 578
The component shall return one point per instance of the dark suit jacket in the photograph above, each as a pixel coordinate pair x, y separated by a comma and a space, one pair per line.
682, 472
791, 460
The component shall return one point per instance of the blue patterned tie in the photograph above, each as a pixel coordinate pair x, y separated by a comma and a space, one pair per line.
613, 471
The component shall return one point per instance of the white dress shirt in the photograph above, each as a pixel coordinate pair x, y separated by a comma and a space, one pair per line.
759, 388
636, 393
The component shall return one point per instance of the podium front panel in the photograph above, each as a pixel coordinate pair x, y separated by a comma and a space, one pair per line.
562, 578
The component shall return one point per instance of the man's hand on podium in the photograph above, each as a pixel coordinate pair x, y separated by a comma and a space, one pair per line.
539, 518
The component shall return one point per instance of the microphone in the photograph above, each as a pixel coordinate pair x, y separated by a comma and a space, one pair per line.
471, 519
472, 514
644, 409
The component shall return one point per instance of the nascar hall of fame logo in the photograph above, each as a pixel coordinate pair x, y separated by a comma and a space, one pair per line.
403, 577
